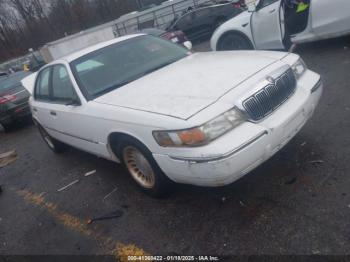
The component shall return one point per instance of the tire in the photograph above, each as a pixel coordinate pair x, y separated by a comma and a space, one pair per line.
142, 167
234, 41
55, 145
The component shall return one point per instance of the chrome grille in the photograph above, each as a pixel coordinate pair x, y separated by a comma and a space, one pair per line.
266, 100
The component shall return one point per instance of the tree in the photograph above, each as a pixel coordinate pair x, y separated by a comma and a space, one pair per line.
28, 24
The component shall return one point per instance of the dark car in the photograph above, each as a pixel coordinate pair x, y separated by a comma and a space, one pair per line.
13, 99
3, 75
177, 37
201, 22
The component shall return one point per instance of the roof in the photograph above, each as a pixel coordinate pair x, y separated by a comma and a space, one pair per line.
85, 51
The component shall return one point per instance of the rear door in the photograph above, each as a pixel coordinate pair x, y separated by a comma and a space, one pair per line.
267, 26
330, 17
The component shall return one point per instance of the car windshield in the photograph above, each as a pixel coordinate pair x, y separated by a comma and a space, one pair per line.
111, 67
12, 80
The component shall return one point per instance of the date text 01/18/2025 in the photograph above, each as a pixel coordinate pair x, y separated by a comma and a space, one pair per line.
173, 258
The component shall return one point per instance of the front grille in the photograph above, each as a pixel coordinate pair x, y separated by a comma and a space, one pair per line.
266, 100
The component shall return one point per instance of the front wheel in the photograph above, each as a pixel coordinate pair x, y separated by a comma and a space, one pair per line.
234, 41
140, 164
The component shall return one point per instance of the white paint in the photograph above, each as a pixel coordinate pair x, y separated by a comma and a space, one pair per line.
183, 95
204, 79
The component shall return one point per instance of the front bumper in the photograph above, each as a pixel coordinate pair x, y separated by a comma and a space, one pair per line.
258, 142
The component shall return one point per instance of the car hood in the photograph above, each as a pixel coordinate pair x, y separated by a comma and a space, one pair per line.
189, 85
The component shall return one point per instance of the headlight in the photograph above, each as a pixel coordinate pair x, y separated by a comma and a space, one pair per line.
299, 68
200, 135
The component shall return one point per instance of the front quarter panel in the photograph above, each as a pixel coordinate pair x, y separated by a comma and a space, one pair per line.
240, 23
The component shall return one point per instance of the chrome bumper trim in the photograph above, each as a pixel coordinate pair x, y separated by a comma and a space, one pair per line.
220, 157
317, 86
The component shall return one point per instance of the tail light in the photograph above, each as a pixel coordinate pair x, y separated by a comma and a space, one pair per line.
176, 34
7, 98
181, 35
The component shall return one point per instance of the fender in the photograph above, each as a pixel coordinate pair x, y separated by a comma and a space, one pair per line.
240, 24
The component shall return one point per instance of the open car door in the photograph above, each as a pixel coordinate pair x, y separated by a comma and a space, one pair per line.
267, 23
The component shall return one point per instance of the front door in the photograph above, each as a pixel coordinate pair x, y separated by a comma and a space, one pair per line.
267, 27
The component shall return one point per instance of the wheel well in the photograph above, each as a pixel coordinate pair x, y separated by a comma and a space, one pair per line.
237, 33
115, 139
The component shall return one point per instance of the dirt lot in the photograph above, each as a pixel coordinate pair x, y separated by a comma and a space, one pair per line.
296, 203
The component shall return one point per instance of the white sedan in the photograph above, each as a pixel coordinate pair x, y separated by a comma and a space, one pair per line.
273, 25
204, 119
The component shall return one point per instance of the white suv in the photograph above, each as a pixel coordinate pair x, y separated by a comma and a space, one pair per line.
204, 119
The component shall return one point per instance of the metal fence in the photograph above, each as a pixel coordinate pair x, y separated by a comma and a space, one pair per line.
158, 17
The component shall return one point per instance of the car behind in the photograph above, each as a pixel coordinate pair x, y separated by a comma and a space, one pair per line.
13, 99
200, 22
177, 37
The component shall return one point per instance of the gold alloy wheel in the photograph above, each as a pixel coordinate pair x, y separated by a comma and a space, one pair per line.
139, 167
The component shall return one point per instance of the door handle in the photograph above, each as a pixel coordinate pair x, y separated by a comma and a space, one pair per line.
272, 11
53, 113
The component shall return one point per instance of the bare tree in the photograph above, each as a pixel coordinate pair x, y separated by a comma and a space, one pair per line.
32, 23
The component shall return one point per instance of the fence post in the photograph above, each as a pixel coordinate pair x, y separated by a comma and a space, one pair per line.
125, 28
155, 18
138, 22
173, 9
